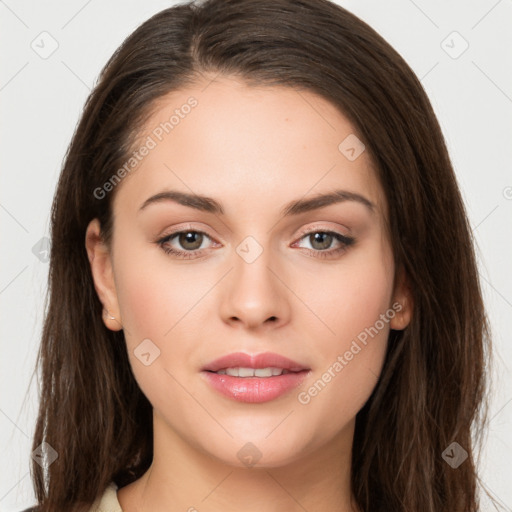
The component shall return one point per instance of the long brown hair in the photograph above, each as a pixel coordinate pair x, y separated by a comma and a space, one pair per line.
432, 391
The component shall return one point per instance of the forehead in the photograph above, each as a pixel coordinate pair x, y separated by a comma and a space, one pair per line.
265, 145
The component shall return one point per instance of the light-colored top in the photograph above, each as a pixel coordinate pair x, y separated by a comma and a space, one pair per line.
108, 502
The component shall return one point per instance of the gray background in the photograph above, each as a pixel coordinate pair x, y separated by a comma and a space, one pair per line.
41, 97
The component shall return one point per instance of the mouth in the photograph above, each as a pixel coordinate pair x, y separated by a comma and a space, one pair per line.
253, 372
254, 379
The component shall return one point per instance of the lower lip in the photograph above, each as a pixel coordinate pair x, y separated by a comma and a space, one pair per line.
255, 389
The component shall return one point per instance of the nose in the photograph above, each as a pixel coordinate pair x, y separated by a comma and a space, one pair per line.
255, 295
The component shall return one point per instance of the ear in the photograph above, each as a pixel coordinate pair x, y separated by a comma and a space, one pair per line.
402, 296
103, 277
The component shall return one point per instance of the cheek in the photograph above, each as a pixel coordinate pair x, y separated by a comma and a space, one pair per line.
356, 310
156, 297
157, 304
157, 310
349, 296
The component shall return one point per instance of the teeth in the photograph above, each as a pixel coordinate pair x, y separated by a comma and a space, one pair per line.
252, 372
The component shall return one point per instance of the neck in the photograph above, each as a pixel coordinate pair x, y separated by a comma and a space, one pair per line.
184, 478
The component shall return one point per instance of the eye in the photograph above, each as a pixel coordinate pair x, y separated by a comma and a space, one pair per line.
192, 243
190, 240
321, 243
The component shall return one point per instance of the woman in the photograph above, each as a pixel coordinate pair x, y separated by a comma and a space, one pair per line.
263, 290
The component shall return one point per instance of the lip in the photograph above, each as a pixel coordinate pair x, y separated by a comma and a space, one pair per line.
264, 360
254, 389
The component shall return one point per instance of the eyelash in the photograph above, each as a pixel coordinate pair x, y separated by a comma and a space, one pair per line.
331, 253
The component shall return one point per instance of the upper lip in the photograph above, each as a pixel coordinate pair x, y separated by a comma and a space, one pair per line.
243, 360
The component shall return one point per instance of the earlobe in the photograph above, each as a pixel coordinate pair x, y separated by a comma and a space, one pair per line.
103, 276
402, 298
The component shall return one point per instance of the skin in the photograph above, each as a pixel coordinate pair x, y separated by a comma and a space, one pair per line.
253, 149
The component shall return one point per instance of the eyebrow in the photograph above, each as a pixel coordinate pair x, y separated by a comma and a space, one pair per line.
296, 207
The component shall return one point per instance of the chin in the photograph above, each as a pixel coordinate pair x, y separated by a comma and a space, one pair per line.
257, 452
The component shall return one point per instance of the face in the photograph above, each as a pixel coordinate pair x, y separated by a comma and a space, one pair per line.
255, 267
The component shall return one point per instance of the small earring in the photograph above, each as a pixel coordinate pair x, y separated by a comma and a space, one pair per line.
109, 315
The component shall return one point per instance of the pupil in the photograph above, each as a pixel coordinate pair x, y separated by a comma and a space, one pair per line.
187, 240
317, 237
